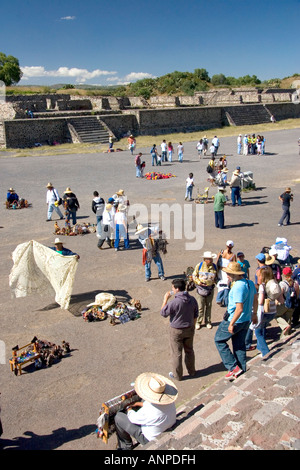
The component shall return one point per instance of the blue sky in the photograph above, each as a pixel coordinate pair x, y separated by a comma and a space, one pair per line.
118, 41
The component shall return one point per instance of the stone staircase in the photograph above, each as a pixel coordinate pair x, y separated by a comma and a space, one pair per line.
247, 115
89, 129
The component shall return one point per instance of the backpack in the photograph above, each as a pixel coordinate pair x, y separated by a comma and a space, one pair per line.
290, 297
209, 169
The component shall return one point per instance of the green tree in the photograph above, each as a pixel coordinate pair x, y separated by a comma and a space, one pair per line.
10, 72
218, 79
202, 74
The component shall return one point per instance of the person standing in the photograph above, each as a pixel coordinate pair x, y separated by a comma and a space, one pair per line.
245, 145
138, 165
170, 151
182, 311
241, 310
219, 203
52, 200
154, 154
189, 187
239, 144
121, 227
285, 309
199, 147
286, 199
131, 143
180, 150
204, 276
71, 204
107, 224
216, 143
148, 240
98, 204
164, 149
235, 185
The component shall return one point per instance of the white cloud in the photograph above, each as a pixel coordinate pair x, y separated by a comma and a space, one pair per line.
68, 18
80, 75
133, 76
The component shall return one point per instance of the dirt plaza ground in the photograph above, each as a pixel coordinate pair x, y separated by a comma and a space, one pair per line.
57, 407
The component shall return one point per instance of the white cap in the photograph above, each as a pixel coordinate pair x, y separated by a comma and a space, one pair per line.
229, 243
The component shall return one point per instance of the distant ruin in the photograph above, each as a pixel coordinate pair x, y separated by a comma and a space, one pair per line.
64, 118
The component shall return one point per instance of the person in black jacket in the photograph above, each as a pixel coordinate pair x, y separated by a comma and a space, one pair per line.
71, 204
98, 206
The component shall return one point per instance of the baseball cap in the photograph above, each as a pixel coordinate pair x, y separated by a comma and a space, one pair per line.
229, 243
286, 271
260, 257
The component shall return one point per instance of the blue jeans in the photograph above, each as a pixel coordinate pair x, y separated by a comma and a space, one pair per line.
154, 159
121, 232
99, 225
71, 214
164, 156
236, 196
219, 219
260, 333
158, 261
180, 156
188, 192
138, 171
238, 355
51, 208
285, 215
170, 155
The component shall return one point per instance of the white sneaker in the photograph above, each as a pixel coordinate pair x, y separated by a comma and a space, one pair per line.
209, 326
198, 326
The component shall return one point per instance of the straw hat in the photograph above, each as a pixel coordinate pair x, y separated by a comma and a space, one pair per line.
108, 207
225, 170
234, 268
120, 192
68, 190
221, 188
49, 185
140, 229
11, 190
269, 259
209, 254
155, 388
122, 208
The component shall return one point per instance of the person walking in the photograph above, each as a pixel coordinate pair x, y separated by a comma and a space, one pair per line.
286, 198
189, 187
164, 149
98, 205
241, 310
170, 151
180, 150
138, 165
204, 277
147, 237
219, 203
182, 311
121, 227
154, 155
52, 200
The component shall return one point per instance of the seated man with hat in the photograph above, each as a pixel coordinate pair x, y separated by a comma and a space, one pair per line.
11, 196
241, 310
59, 248
156, 413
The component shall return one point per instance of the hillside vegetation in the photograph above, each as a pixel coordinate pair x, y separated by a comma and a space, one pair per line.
172, 84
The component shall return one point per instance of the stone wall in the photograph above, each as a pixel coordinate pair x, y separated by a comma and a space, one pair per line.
23, 133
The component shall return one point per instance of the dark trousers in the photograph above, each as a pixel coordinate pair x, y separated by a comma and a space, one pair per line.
125, 429
219, 219
182, 340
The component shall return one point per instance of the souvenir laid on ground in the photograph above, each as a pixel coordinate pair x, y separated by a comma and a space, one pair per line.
41, 352
78, 229
20, 204
106, 305
188, 275
203, 198
158, 176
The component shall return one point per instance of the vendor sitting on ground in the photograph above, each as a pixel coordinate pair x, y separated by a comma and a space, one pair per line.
156, 413
11, 196
13, 200
59, 248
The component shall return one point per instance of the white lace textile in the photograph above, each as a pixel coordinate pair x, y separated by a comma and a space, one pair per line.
38, 270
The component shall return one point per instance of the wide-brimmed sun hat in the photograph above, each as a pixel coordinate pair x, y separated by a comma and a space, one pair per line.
234, 268
11, 190
209, 254
122, 207
269, 259
155, 388
120, 192
68, 190
140, 229
49, 185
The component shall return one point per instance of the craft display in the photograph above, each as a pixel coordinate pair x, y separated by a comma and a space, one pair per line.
158, 176
203, 198
78, 229
106, 305
189, 282
109, 409
20, 204
40, 352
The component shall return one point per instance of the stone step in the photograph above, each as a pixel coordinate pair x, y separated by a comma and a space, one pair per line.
90, 130
247, 115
